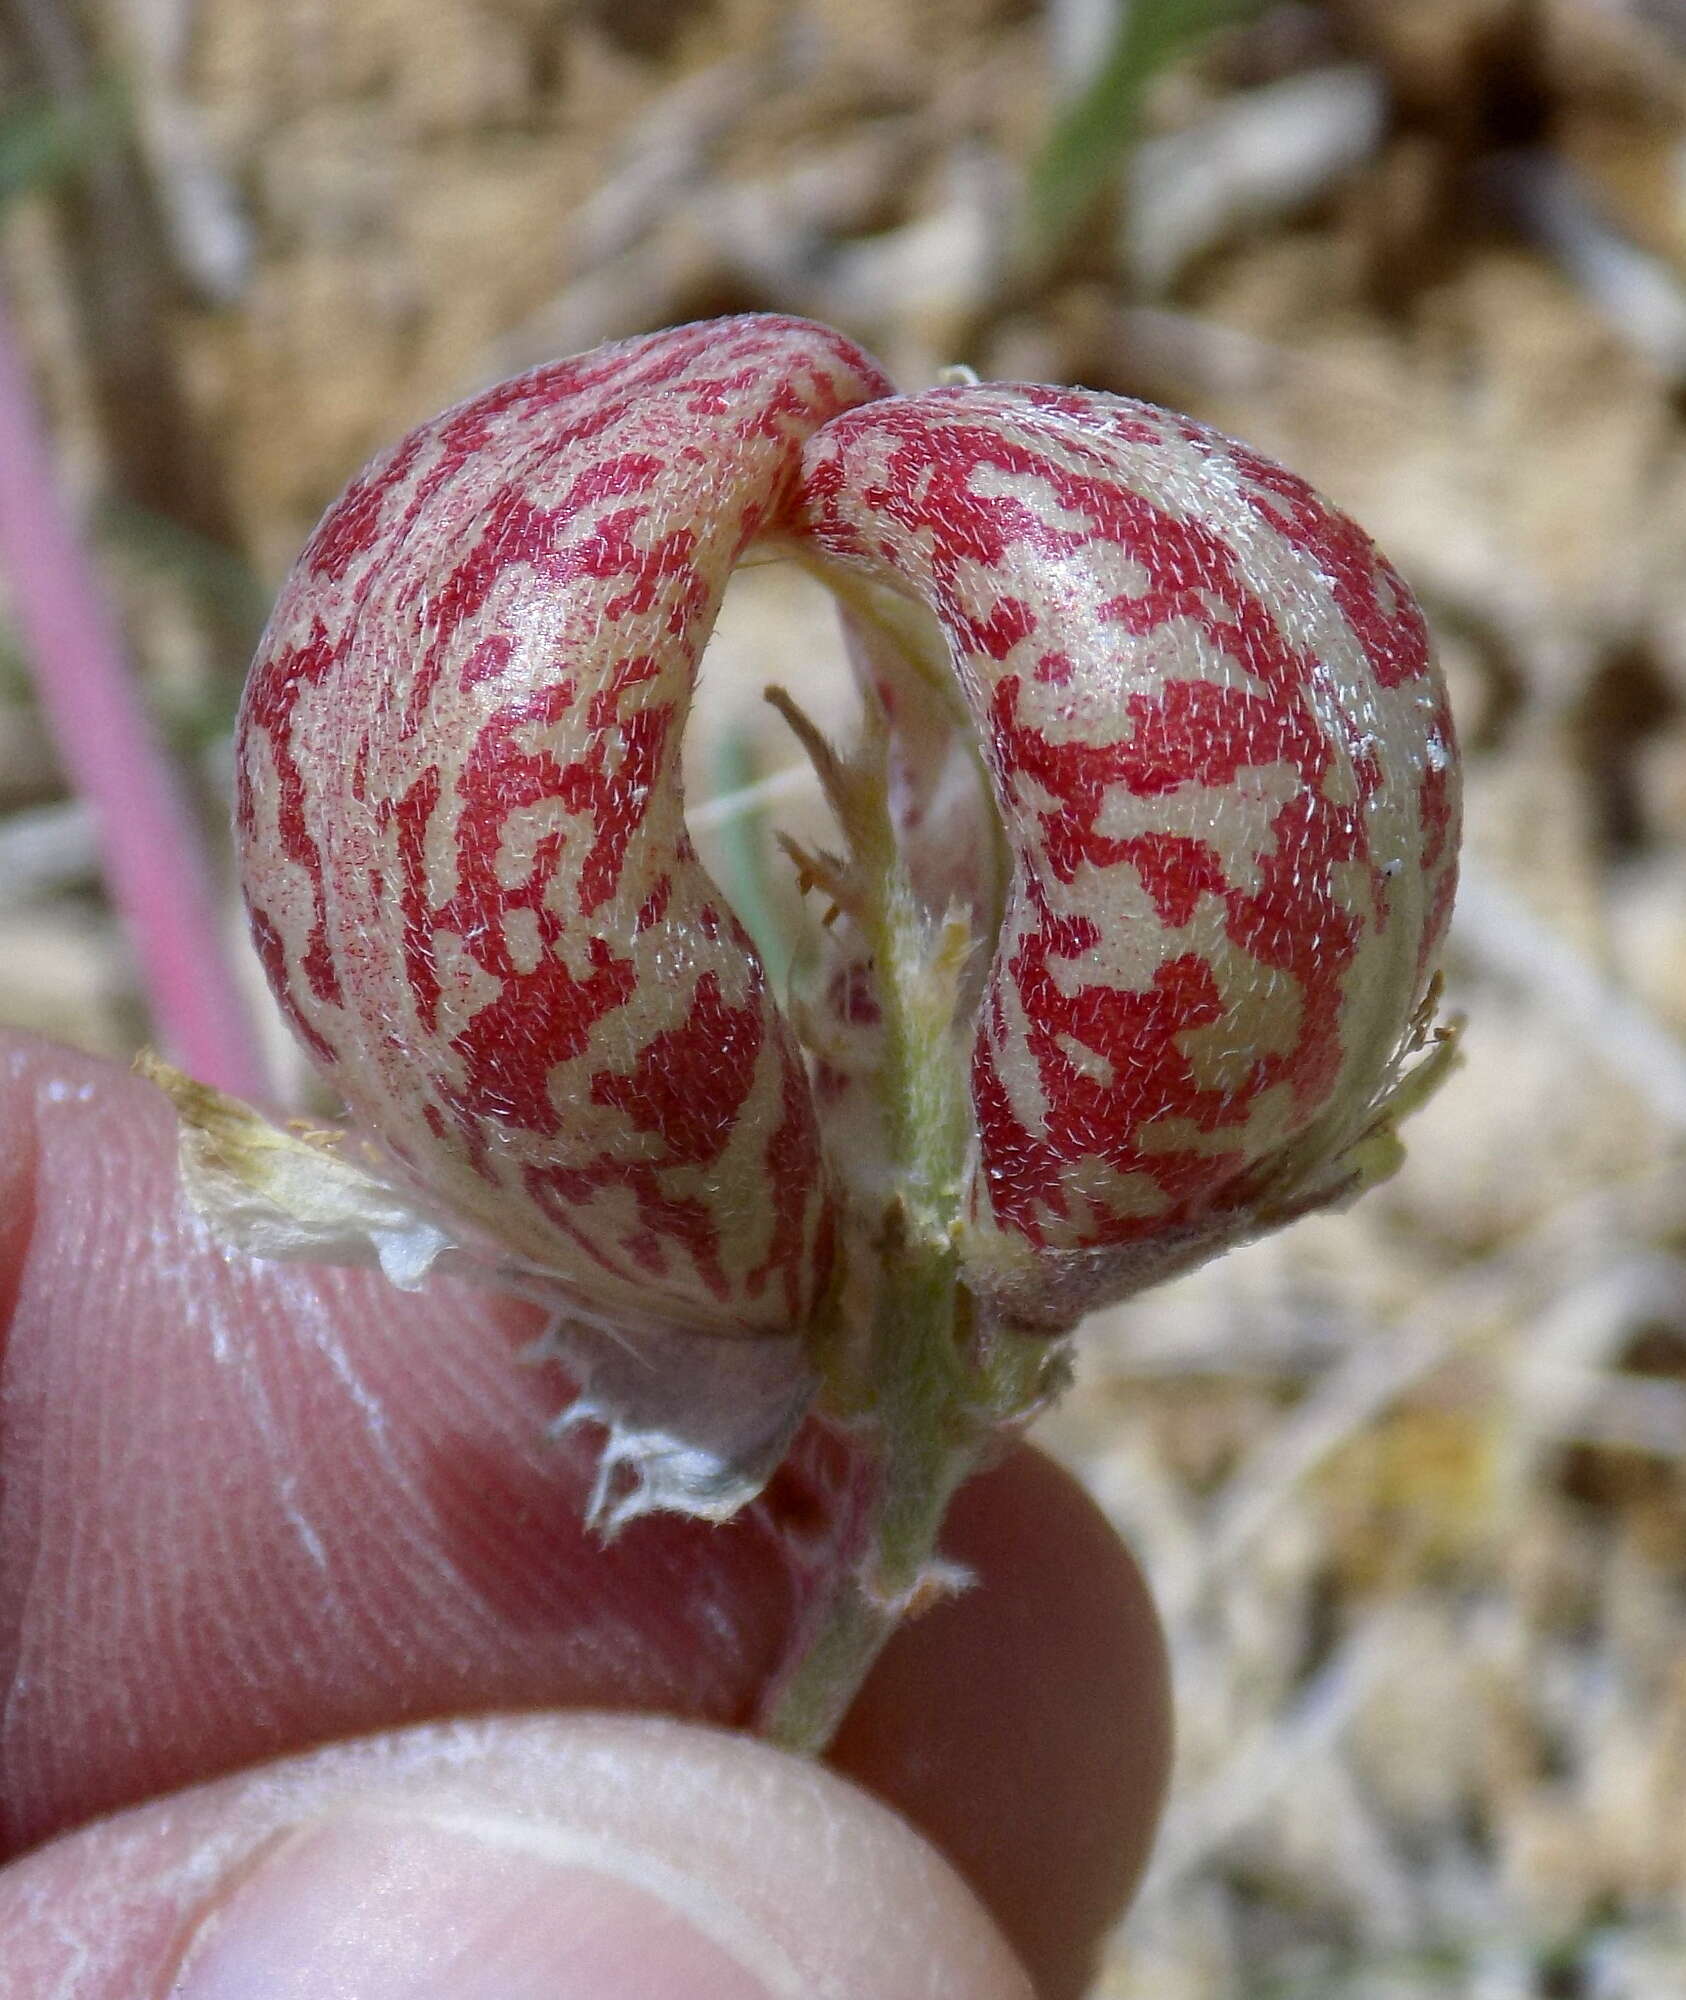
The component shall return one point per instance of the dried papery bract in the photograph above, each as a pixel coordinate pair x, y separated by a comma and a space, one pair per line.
1149, 845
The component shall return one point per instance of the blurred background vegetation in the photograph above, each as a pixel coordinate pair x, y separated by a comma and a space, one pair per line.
1410, 1483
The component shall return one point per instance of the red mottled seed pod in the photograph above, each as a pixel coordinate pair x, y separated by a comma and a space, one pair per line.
1215, 741
1223, 759
461, 830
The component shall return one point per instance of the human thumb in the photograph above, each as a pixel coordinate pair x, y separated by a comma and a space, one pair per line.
604, 1857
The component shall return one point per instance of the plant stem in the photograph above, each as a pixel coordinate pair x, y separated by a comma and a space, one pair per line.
922, 1395
806, 1713
925, 1449
153, 858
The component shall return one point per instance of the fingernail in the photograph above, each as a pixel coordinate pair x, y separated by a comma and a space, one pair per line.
477, 1909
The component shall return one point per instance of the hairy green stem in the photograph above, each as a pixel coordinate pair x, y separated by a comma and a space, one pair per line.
924, 1447
924, 1392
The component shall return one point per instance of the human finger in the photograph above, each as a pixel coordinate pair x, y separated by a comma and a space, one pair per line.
516, 1857
251, 1508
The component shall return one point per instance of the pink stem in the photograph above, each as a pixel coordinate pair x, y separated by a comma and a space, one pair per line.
155, 868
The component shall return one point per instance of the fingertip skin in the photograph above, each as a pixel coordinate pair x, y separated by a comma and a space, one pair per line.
800, 1876
246, 1508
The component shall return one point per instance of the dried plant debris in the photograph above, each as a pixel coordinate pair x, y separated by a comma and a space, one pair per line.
1410, 1482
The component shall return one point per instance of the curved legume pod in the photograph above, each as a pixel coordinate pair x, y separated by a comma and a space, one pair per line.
462, 837
1223, 759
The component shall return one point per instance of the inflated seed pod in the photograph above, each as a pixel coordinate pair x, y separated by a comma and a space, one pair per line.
462, 837
1223, 761
1218, 755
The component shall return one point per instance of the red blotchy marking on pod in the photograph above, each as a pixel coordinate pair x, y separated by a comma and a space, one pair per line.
617, 799
1120, 423
687, 1090
793, 1167
538, 1020
558, 1190
670, 559
689, 1083
352, 526
1198, 732
489, 659
413, 814
679, 1220
544, 1015
1176, 870
1293, 923
1193, 732
617, 795
515, 532
830, 1083
272, 698
1434, 799
498, 782
272, 951
686, 1222
1008, 625
518, 534
1370, 592
1092, 1116
852, 996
